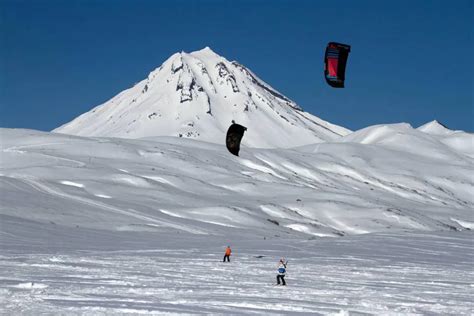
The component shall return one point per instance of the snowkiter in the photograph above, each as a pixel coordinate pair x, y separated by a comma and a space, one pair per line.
281, 272
228, 251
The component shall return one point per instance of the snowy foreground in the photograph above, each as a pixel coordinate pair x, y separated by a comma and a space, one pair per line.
377, 223
374, 274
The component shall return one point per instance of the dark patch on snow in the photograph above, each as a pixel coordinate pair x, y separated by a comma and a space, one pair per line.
153, 115
209, 105
178, 68
224, 73
273, 221
186, 94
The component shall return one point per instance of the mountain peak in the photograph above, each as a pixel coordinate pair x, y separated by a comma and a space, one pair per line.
206, 49
205, 53
435, 127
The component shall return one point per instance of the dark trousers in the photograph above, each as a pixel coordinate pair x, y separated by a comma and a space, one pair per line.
228, 258
282, 278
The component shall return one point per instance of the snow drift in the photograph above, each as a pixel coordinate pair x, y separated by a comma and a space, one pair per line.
383, 178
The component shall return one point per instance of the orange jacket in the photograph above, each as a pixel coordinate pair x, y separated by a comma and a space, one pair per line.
228, 252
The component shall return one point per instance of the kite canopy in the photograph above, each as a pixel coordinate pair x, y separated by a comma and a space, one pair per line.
335, 61
234, 136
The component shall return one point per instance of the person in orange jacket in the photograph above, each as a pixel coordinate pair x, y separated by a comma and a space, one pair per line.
228, 251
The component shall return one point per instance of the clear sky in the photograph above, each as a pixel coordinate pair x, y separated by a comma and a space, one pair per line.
411, 61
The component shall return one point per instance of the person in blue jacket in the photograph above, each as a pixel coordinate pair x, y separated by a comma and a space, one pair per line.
281, 272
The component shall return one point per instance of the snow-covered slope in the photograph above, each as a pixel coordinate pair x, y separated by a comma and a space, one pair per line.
138, 226
428, 140
436, 128
382, 178
197, 95
457, 140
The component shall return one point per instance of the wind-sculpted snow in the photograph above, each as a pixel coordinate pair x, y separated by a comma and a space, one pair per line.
109, 225
197, 95
331, 189
434, 141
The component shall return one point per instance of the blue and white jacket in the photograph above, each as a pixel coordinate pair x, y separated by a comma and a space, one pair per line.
281, 268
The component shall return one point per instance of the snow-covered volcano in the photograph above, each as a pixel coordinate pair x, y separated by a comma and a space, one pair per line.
197, 95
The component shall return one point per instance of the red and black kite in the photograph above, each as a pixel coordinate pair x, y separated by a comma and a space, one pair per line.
335, 61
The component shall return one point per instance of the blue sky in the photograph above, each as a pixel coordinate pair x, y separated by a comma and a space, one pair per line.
411, 61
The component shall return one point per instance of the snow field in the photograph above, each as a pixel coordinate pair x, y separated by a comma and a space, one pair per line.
116, 226
328, 189
380, 274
